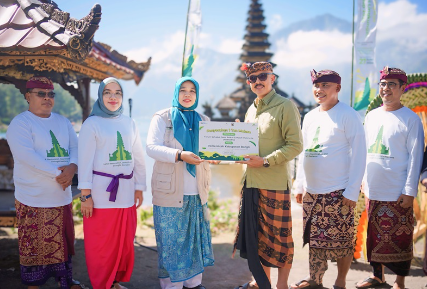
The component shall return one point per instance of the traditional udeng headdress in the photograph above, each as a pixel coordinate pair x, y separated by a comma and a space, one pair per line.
394, 73
39, 82
325, 76
250, 68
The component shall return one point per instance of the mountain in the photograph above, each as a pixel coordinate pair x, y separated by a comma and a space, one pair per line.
326, 22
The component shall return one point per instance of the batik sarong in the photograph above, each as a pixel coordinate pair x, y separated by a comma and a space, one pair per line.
183, 239
328, 229
109, 236
389, 236
328, 224
46, 243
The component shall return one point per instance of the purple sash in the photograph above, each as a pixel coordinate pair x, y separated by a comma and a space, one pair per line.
114, 184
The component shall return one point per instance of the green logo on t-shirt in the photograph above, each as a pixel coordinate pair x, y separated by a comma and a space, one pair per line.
315, 147
57, 150
120, 154
378, 147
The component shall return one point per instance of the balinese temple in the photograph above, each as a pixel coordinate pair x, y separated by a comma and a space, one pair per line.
254, 49
39, 39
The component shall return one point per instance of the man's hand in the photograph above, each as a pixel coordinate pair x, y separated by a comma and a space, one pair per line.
138, 198
87, 206
298, 198
253, 162
405, 201
191, 158
213, 162
362, 187
66, 177
347, 202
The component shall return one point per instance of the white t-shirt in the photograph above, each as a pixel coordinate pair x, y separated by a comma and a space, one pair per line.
112, 146
334, 152
39, 146
395, 143
158, 151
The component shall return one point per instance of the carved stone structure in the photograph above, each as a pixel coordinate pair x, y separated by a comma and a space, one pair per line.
37, 38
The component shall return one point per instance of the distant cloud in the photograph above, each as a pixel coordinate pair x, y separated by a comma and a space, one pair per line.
230, 46
307, 49
169, 47
158, 49
400, 21
275, 23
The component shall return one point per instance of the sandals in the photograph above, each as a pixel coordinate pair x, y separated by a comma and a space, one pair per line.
116, 285
76, 283
197, 287
374, 283
247, 286
311, 285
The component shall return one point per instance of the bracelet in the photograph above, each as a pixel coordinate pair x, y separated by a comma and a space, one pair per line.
179, 156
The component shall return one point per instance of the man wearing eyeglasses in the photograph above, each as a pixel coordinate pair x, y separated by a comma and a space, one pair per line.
264, 236
330, 172
44, 149
395, 143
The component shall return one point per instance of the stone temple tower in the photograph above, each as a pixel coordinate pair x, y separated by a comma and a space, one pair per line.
254, 49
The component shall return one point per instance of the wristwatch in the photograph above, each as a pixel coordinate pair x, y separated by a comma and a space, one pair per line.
266, 163
179, 156
84, 198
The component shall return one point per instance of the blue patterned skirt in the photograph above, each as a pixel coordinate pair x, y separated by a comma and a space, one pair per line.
183, 240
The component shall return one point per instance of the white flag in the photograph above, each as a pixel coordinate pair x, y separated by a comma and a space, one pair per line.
365, 76
194, 25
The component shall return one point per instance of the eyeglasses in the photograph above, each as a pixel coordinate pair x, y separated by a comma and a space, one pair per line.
43, 94
391, 85
261, 76
117, 94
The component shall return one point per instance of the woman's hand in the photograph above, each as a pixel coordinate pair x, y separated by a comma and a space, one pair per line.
191, 158
87, 206
138, 198
213, 162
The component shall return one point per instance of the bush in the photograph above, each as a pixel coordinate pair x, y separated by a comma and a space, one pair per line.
77, 213
145, 216
223, 214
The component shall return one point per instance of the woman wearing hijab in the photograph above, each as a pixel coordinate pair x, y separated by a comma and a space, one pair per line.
180, 186
111, 179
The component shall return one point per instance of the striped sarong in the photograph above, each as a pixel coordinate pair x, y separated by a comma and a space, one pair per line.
275, 243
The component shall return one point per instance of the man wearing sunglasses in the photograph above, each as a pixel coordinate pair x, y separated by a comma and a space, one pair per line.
44, 149
395, 142
264, 236
329, 176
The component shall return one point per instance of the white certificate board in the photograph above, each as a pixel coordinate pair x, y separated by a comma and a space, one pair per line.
227, 141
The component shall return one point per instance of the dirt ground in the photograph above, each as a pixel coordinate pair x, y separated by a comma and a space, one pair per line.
227, 272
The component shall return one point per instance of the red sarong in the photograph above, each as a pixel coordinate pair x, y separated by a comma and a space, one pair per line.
109, 236
390, 230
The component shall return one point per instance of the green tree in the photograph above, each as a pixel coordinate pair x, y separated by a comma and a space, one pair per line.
12, 103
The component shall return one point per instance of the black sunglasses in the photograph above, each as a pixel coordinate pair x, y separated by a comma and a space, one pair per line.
261, 76
50, 94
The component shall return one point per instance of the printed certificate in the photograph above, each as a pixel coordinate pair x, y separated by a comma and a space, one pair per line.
227, 141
